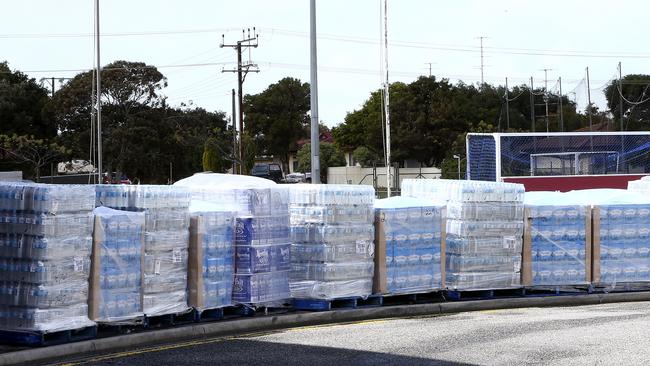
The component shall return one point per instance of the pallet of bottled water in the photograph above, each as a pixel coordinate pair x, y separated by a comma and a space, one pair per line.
262, 246
116, 277
332, 241
558, 245
211, 263
166, 210
408, 246
261, 237
622, 243
483, 230
45, 247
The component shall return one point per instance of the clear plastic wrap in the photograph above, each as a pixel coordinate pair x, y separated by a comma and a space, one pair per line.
332, 241
116, 281
557, 245
261, 233
166, 210
463, 190
409, 246
260, 287
211, 263
484, 230
45, 247
621, 243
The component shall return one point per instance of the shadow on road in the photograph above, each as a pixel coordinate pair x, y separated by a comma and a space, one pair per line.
254, 352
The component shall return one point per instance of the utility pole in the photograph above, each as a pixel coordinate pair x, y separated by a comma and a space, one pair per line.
546, 94
313, 68
429, 63
620, 94
98, 100
234, 134
559, 80
387, 100
507, 107
532, 105
589, 100
51, 80
482, 65
242, 70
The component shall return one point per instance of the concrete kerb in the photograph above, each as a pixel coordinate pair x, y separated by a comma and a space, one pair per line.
284, 321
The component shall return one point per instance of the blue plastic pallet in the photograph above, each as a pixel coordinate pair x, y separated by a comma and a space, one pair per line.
169, 320
40, 339
208, 315
460, 295
339, 303
559, 290
412, 298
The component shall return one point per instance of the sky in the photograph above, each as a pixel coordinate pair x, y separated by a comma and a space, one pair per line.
182, 38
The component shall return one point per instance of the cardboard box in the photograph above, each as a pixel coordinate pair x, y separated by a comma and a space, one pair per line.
379, 279
195, 265
526, 263
595, 234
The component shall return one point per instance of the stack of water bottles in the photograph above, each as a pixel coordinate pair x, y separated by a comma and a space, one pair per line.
262, 246
261, 237
211, 264
332, 234
484, 230
559, 236
166, 211
410, 235
116, 278
622, 240
45, 246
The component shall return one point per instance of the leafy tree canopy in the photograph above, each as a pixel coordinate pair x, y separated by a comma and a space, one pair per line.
277, 117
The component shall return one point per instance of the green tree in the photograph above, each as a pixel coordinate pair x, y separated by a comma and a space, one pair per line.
365, 156
634, 89
278, 116
34, 152
329, 155
21, 105
141, 136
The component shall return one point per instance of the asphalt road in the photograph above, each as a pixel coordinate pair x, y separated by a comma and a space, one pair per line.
612, 334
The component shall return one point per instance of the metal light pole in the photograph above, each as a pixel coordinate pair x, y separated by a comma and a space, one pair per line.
98, 97
457, 157
315, 135
387, 101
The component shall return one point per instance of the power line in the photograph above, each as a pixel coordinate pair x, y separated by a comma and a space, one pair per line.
343, 38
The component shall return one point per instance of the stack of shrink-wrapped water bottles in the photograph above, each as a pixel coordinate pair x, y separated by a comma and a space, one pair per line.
211, 257
117, 261
45, 247
557, 240
261, 236
332, 235
166, 211
484, 230
408, 245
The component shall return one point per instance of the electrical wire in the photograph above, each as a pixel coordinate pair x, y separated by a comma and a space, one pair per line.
641, 100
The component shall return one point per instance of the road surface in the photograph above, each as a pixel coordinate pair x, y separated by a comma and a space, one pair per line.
612, 334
